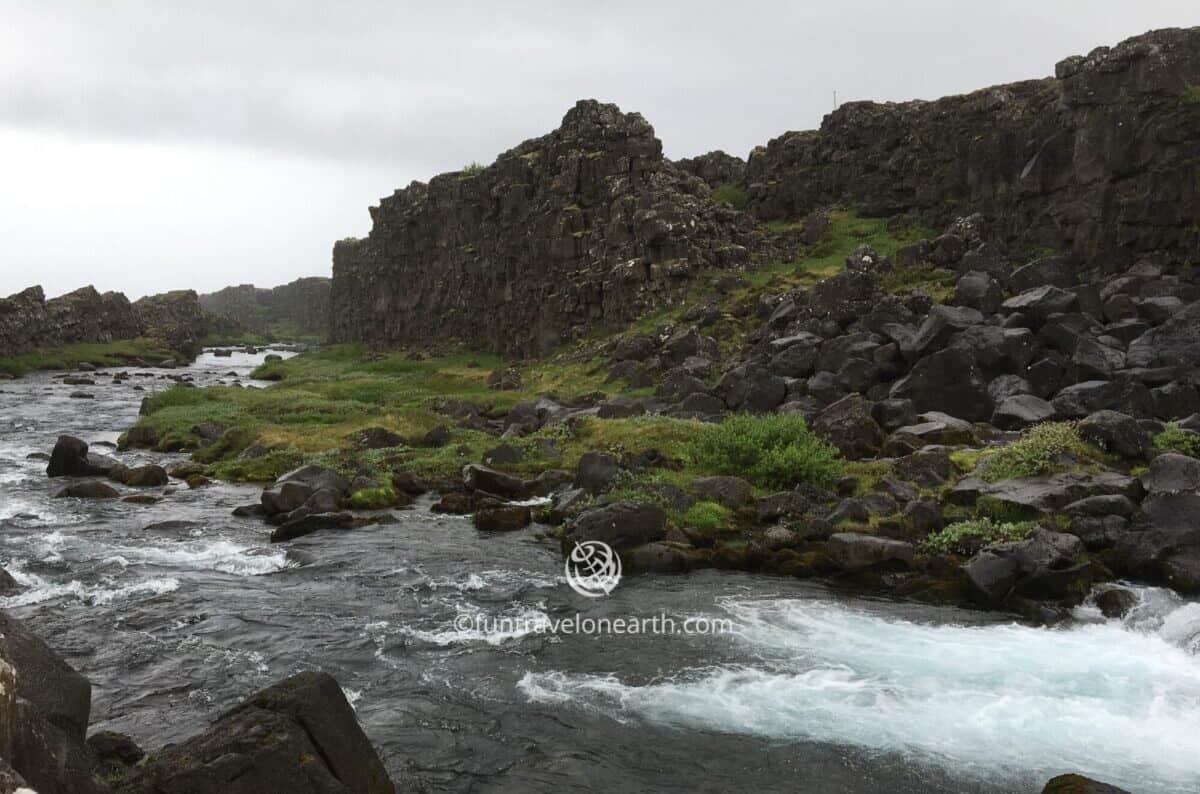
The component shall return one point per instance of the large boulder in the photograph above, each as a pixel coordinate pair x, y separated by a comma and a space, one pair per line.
299, 736
315, 478
70, 459
1022, 410
1039, 303
1174, 343
733, 492
1078, 784
853, 551
1117, 433
1127, 396
44, 709
949, 381
849, 426
596, 471
502, 518
88, 489
940, 327
497, 483
1045, 566
1172, 473
622, 525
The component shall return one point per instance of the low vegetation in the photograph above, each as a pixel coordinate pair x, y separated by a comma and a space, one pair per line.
1042, 449
732, 195
967, 537
707, 516
1174, 438
773, 451
122, 353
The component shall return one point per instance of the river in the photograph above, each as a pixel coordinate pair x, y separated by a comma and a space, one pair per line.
802, 689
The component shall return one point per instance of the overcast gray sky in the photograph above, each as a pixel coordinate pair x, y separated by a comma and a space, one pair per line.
147, 146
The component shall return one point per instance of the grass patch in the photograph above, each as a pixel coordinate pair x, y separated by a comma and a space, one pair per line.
1047, 448
707, 516
772, 451
126, 352
732, 195
1174, 438
967, 537
373, 498
1192, 95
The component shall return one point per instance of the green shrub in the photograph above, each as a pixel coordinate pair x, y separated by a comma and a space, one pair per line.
471, 169
967, 537
707, 515
772, 451
1174, 438
1039, 450
732, 195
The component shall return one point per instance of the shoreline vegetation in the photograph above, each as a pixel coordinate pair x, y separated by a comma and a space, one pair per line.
120, 353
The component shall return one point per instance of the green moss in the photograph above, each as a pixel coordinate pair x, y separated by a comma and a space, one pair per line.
1042, 449
1192, 95
773, 451
122, 353
1174, 438
707, 516
373, 498
966, 537
733, 195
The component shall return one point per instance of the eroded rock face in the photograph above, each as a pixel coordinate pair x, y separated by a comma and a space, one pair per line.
303, 302
29, 321
585, 225
1101, 158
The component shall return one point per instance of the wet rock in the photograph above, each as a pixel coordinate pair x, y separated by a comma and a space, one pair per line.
299, 736
250, 511
306, 525
88, 489
488, 480
1078, 784
148, 476
284, 497
407, 482
1046, 566
622, 525
316, 478
1117, 433
732, 492
181, 471
851, 551
69, 458
1115, 602
662, 557
44, 709
507, 518
141, 499
458, 504
849, 426
8, 585
596, 471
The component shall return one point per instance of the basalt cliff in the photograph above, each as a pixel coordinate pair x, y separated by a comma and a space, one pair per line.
301, 306
590, 225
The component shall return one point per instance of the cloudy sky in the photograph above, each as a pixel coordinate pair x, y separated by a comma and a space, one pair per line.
147, 146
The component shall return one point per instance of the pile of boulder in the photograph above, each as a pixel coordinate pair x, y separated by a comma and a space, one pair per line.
71, 458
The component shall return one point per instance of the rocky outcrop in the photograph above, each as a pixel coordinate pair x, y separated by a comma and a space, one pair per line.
28, 321
44, 708
715, 168
302, 305
587, 225
1102, 159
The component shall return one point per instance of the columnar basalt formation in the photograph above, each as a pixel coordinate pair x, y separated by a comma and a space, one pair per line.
302, 305
587, 225
1102, 159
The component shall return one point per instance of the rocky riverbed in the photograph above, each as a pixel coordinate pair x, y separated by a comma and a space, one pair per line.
177, 610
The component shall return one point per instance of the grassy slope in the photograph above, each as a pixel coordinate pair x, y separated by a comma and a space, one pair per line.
110, 354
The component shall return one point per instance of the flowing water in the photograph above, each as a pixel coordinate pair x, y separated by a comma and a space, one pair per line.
804, 689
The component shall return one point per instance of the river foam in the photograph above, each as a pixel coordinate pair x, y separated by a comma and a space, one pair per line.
990, 702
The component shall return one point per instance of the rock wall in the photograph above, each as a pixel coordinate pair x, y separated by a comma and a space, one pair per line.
716, 168
302, 304
584, 226
1102, 159
29, 321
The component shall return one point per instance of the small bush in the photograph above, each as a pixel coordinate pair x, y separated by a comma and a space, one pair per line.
1174, 438
773, 451
732, 195
1038, 451
707, 516
471, 169
967, 537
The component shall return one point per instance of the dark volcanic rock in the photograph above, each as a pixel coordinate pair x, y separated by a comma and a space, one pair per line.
585, 225
1101, 159
299, 736
622, 525
948, 381
302, 304
44, 708
849, 426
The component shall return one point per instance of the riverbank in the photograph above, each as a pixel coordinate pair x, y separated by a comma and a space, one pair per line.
139, 352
